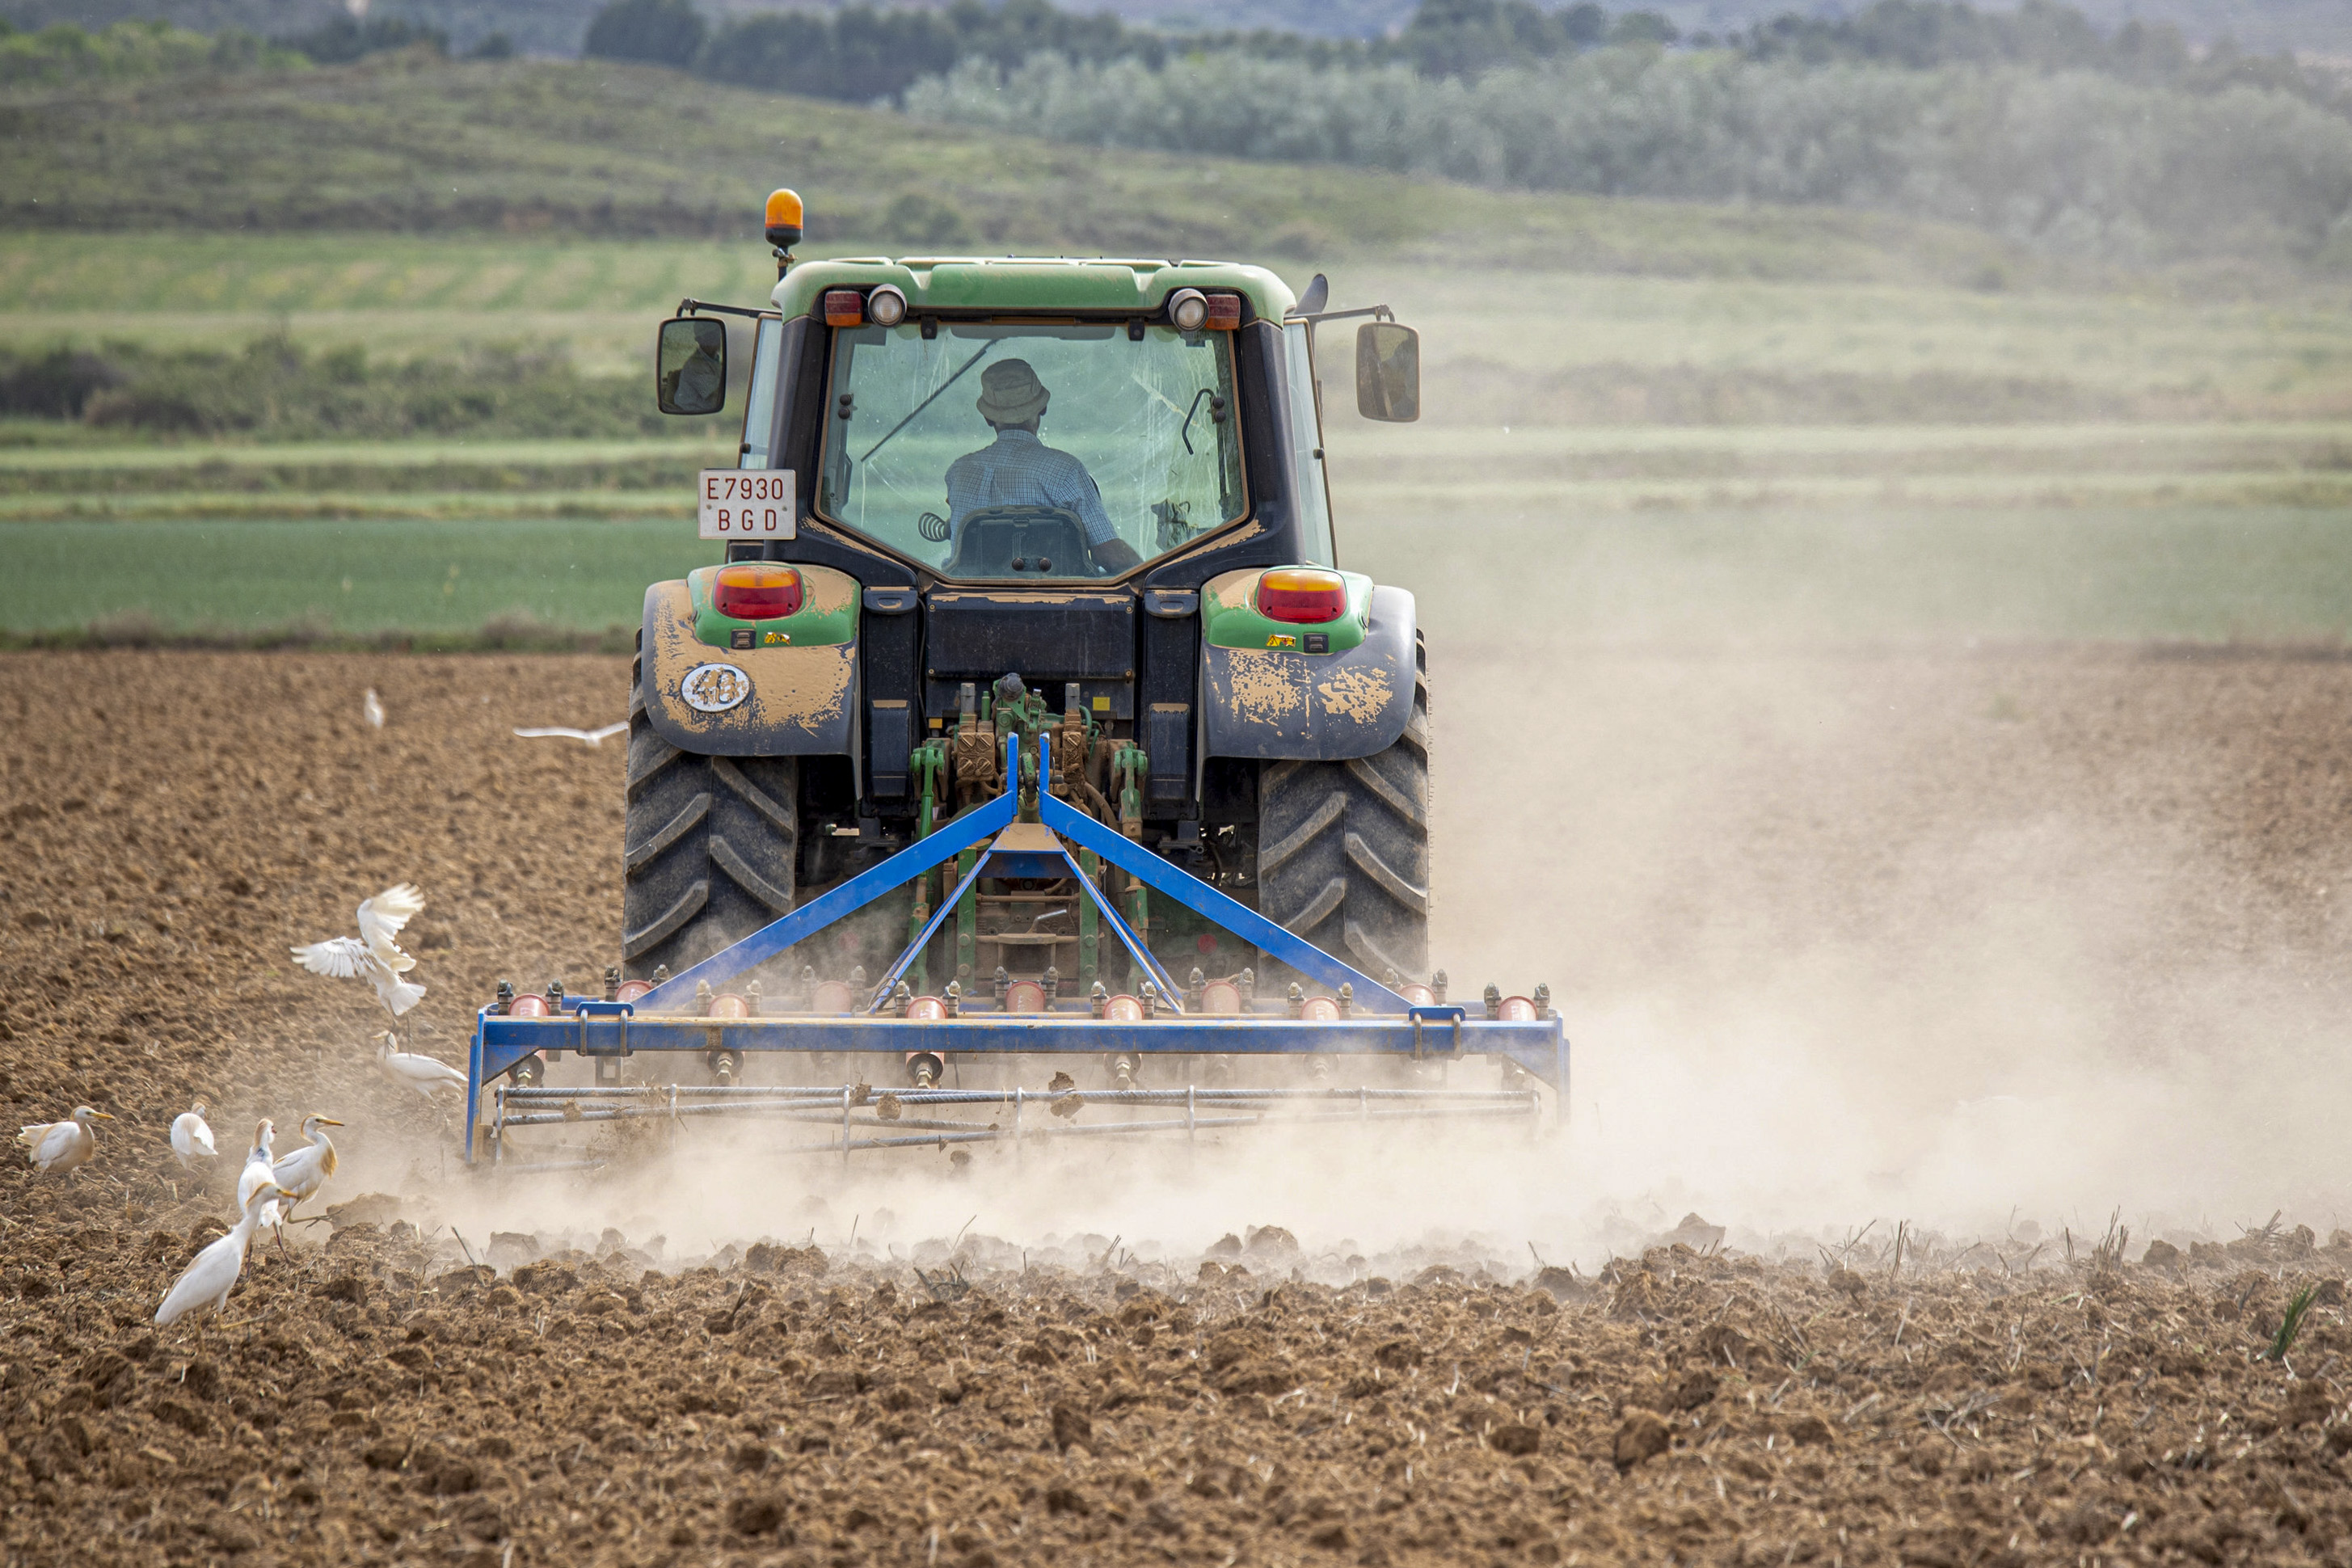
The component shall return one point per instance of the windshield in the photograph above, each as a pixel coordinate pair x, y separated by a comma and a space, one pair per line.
1030, 451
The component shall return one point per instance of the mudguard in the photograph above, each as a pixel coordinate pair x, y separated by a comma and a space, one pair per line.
1274, 703
735, 701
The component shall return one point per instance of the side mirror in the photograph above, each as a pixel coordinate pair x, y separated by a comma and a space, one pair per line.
691, 366
1388, 372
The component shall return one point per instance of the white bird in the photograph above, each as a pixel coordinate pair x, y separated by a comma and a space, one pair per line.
62, 1146
558, 732
373, 955
302, 1174
214, 1272
260, 1171
422, 1074
372, 708
192, 1138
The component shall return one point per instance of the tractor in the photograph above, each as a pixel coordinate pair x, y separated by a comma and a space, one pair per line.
1078, 504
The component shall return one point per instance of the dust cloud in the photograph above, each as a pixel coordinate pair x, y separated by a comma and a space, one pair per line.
1970, 938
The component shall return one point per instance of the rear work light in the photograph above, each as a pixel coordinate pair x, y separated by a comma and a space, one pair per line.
756, 591
844, 308
1302, 595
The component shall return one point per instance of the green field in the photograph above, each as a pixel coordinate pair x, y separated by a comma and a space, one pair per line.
1696, 577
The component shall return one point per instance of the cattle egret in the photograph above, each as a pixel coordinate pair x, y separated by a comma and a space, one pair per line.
62, 1146
192, 1138
371, 709
207, 1280
302, 1174
558, 732
422, 1074
260, 1171
373, 955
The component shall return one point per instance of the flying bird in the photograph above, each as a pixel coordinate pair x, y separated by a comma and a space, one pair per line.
62, 1146
260, 1171
192, 1138
303, 1173
371, 709
213, 1273
558, 732
422, 1074
373, 955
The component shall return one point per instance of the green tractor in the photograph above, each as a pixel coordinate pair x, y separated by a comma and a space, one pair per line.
1077, 499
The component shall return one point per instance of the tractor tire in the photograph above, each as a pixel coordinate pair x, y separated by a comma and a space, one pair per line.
709, 848
1343, 849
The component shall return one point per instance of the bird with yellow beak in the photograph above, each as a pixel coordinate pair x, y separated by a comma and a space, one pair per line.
57, 1147
303, 1173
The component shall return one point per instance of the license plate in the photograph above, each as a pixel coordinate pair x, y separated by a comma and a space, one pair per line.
747, 504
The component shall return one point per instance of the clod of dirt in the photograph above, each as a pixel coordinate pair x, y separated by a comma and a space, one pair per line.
2161, 1255
370, 1209
1071, 1427
1641, 1437
1514, 1440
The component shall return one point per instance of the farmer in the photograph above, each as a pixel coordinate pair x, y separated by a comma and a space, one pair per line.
1018, 469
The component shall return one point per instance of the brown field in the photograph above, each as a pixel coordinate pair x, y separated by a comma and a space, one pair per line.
2073, 865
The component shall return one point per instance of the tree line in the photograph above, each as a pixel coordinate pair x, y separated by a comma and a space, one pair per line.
863, 53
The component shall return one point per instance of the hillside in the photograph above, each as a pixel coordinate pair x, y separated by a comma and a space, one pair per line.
413, 144
555, 27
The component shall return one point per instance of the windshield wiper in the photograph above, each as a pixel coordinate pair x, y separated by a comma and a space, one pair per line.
926, 402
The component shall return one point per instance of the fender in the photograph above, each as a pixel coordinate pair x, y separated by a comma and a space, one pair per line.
1277, 703
705, 692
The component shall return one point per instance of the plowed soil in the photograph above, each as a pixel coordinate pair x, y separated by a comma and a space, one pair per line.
386, 1392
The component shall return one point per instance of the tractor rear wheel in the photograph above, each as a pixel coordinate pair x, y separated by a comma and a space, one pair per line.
1343, 849
708, 847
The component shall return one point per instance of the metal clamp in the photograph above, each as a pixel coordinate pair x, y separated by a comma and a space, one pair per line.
589, 1008
1448, 1013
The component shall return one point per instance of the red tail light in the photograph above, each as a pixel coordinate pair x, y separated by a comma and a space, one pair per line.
844, 308
756, 591
1302, 595
1224, 313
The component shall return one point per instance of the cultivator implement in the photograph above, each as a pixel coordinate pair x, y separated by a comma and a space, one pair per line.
889, 1033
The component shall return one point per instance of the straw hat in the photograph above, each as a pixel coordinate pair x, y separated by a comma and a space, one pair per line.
1010, 393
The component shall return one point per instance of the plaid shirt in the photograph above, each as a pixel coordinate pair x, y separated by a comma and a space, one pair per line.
1018, 469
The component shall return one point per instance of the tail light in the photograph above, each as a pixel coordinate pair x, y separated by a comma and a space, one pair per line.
1224, 313
844, 308
756, 591
1300, 595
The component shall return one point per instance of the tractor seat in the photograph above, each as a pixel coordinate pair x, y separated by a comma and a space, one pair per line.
1021, 542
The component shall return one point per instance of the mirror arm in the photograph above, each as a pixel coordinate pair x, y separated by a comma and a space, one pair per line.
691, 307
1382, 312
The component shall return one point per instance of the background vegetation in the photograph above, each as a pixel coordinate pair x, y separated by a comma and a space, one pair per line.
347, 341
